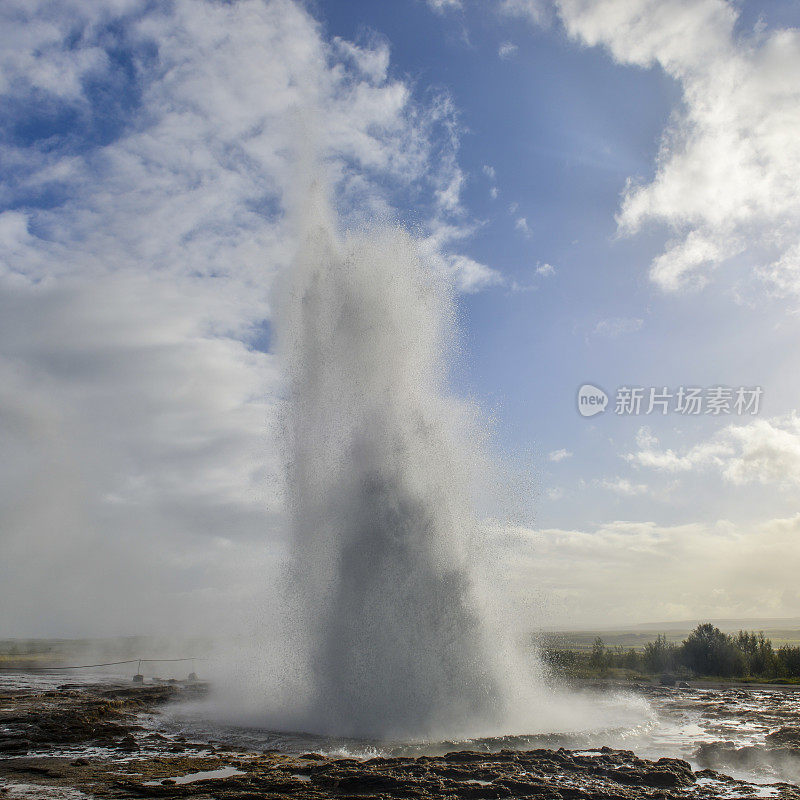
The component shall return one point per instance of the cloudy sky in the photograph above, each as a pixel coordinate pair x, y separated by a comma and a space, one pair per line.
610, 185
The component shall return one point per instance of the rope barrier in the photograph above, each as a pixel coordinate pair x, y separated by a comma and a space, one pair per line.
107, 664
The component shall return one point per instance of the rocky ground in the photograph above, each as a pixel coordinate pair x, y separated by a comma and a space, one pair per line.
88, 741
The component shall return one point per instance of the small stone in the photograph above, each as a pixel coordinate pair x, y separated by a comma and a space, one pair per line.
129, 744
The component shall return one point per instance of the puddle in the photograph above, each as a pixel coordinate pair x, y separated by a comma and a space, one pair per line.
192, 777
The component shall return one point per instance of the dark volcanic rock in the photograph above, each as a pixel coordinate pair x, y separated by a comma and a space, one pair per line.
39, 720
145, 766
539, 774
128, 744
785, 737
679, 772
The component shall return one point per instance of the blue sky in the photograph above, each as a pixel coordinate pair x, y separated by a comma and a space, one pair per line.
611, 188
563, 128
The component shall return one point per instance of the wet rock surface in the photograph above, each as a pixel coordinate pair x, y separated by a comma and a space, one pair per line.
70, 743
788, 736
31, 720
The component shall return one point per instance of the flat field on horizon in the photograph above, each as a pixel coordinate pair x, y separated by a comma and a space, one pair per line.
780, 632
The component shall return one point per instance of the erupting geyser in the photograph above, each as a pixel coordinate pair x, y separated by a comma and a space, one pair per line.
381, 466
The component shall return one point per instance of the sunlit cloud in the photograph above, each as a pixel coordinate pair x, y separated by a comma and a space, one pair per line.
632, 572
764, 451
729, 164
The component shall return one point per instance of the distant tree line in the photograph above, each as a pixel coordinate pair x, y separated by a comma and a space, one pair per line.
706, 651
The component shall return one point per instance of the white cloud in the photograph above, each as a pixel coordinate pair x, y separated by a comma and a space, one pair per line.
783, 275
133, 440
624, 487
522, 226
614, 327
491, 176
32, 52
136, 412
507, 50
469, 275
440, 6
373, 60
729, 165
764, 451
545, 269
559, 455
449, 195
645, 438
534, 11
631, 572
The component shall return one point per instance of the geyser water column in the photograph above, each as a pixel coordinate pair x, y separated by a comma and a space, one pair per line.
382, 460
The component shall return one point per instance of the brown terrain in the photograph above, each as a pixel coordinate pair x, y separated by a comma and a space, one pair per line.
88, 741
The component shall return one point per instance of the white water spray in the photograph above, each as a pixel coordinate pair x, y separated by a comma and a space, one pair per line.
379, 633
382, 462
